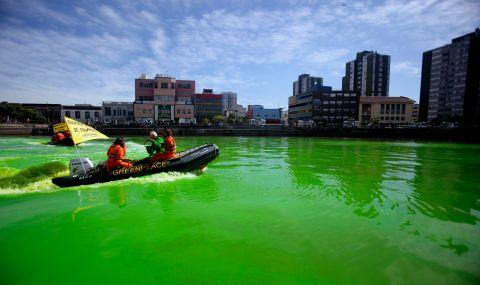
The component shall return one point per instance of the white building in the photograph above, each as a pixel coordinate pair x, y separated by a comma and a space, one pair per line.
84, 113
229, 101
284, 118
117, 112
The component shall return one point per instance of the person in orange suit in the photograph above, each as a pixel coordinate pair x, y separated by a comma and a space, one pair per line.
116, 155
169, 147
57, 137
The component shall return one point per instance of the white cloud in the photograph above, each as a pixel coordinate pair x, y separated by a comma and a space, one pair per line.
89, 53
149, 17
256, 37
427, 22
108, 12
48, 65
329, 55
53, 15
406, 67
37, 10
159, 44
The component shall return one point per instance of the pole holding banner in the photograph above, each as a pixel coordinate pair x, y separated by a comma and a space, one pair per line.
81, 162
79, 133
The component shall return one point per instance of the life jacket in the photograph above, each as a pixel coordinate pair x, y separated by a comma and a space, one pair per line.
116, 151
170, 145
57, 137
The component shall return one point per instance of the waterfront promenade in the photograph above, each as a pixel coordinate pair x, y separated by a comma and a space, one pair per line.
470, 135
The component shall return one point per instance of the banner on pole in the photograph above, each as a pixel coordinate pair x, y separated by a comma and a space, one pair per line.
60, 127
81, 132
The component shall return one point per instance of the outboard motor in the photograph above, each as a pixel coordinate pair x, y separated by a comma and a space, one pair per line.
75, 165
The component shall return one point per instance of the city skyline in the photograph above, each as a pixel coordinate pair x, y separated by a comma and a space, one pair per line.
90, 52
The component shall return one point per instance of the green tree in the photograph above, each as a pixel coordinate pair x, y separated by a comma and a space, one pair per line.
375, 120
19, 113
231, 119
218, 119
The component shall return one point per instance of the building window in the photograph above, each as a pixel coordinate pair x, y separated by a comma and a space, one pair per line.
108, 111
164, 85
77, 115
97, 114
398, 109
124, 112
388, 109
172, 85
114, 112
382, 109
150, 85
67, 113
146, 98
87, 115
403, 109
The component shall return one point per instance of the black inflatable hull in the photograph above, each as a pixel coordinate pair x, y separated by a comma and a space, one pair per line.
189, 160
65, 142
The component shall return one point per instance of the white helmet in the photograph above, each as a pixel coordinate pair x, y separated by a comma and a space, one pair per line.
153, 135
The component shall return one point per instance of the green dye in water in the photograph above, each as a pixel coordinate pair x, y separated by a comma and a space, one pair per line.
267, 211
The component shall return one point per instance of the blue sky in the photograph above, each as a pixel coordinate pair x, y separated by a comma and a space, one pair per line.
89, 51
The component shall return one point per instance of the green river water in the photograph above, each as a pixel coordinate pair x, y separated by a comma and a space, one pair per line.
267, 211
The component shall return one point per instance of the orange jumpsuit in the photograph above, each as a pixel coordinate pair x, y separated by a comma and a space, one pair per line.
116, 154
57, 137
169, 148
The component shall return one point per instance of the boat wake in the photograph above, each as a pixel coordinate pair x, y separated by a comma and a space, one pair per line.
38, 179
32, 179
42, 186
150, 179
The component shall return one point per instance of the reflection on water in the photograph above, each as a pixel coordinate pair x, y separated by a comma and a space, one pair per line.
444, 189
118, 196
376, 179
459, 249
420, 189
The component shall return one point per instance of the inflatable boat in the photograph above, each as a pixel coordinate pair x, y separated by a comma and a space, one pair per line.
82, 171
65, 142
